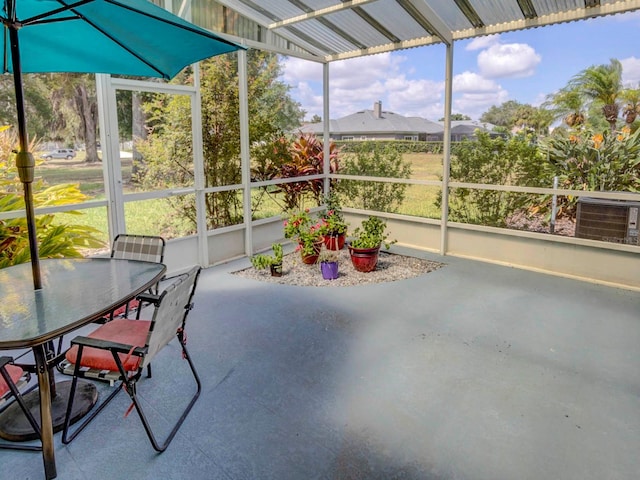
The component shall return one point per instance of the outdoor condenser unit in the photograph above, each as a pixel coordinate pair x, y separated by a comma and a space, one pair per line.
608, 220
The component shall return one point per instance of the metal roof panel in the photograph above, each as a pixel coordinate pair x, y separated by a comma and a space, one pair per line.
344, 29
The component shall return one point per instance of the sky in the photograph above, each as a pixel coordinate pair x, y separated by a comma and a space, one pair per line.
524, 66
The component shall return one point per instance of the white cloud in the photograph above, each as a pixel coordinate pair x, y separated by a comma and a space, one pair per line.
475, 104
357, 83
514, 60
631, 71
295, 70
480, 43
363, 71
469, 82
415, 98
474, 94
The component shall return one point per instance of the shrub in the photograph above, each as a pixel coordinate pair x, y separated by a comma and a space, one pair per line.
493, 161
55, 240
375, 160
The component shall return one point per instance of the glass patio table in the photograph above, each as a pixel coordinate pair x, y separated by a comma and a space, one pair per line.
74, 293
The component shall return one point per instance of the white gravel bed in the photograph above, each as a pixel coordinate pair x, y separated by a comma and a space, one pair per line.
391, 267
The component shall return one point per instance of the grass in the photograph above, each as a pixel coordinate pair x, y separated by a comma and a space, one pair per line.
151, 216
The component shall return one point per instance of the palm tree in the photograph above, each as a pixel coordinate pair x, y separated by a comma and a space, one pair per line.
632, 108
602, 84
566, 104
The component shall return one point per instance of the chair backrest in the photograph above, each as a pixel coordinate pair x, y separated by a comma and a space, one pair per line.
171, 312
145, 248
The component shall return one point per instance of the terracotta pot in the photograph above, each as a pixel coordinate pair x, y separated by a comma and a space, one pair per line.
312, 258
329, 270
364, 259
334, 241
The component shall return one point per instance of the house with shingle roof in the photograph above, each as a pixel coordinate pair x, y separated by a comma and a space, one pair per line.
379, 124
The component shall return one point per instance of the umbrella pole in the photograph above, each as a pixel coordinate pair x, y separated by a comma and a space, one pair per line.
24, 159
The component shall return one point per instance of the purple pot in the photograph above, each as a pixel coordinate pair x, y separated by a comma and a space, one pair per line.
329, 270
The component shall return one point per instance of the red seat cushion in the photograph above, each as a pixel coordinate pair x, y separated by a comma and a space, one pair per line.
129, 332
15, 373
120, 311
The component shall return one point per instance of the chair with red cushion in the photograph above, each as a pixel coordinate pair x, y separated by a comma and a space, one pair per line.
12, 378
145, 248
127, 346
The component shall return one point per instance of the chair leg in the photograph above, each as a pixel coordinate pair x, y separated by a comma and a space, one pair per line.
69, 437
132, 394
27, 413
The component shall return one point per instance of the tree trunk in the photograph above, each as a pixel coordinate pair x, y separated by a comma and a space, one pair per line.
87, 109
611, 111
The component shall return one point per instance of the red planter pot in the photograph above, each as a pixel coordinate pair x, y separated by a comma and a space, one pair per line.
334, 241
312, 258
364, 259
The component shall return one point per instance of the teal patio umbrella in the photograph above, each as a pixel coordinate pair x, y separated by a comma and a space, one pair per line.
126, 37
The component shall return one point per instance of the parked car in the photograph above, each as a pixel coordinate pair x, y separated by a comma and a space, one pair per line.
67, 153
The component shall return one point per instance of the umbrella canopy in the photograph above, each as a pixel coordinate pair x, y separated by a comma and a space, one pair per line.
126, 37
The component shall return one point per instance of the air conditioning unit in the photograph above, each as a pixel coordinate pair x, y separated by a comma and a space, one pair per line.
608, 220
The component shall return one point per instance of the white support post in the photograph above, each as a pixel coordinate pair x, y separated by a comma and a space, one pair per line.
326, 135
245, 154
446, 149
198, 170
111, 164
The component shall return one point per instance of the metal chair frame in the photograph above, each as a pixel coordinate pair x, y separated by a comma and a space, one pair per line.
14, 392
171, 309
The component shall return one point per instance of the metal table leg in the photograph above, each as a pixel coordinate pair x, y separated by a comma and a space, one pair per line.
46, 425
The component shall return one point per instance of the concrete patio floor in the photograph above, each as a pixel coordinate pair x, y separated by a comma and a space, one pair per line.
474, 371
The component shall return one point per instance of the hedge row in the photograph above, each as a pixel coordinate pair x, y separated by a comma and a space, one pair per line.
401, 146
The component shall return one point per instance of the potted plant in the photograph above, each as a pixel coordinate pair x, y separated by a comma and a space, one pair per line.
328, 260
273, 262
365, 245
301, 228
334, 227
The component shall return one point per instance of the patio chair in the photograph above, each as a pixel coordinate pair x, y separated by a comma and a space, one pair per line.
126, 346
13, 378
145, 248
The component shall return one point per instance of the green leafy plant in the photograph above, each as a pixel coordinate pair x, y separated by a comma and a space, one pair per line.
494, 161
333, 222
263, 260
375, 160
328, 256
55, 239
306, 232
371, 234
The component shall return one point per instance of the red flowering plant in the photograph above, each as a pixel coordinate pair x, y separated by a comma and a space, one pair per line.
332, 220
300, 227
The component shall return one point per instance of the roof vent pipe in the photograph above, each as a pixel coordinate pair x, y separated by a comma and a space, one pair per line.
377, 109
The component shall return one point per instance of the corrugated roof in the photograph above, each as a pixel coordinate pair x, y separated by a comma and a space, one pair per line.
333, 29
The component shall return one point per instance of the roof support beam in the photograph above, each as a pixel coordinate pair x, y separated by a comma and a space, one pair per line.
345, 5
470, 13
389, 47
438, 27
527, 9
375, 24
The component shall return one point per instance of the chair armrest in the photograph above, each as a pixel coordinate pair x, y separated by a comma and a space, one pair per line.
149, 298
108, 345
5, 360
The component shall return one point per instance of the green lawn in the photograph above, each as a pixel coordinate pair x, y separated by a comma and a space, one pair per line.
147, 217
